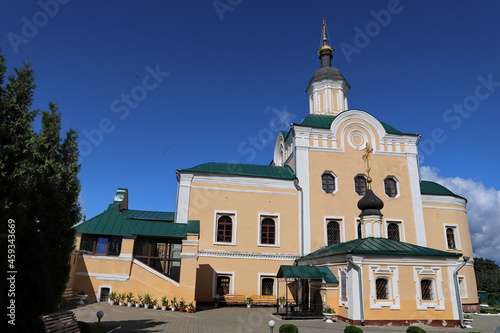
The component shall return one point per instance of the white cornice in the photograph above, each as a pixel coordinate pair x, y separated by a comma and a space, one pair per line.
444, 200
243, 191
247, 255
106, 277
283, 184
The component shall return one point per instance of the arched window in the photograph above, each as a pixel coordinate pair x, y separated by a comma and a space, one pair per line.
391, 187
382, 287
360, 184
268, 231
343, 285
223, 283
328, 182
360, 233
224, 229
450, 238
427, 289
267, 286
393, 231
333, 232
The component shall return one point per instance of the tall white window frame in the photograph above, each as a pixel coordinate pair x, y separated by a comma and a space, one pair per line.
391, 274
276, 219
456, 234
435, 275
340, 221
388, 187
400, 224
234, 217
215, 276
328, 177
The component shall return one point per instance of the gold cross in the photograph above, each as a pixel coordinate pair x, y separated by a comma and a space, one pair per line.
366, 156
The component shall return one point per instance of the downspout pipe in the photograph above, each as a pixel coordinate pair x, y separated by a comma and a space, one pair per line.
457, 292
296, 183
360, 281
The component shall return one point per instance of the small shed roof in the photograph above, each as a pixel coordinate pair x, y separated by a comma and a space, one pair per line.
307, 272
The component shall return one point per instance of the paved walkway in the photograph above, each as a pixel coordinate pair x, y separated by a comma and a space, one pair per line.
234, 320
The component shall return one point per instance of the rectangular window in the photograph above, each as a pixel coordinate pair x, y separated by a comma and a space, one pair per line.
343, 287
268, 229
452, 237
101, 245
333, 232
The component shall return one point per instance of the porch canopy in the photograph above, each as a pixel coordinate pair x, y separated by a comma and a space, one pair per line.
306, 281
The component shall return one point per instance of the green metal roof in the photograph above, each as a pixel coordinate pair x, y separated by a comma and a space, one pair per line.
148, 215
130, 223
378, 246
307, 272
432, 188
253, 170
325, 121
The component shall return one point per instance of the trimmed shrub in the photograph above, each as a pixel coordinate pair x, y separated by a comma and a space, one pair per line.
415, 329
353, 329
288, 328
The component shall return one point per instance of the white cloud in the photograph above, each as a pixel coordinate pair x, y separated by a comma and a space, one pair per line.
483, 210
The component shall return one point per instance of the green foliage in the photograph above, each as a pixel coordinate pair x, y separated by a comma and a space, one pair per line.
487, 275
147, 299
129, 297
415, 329
352, 329
328, 309
164, 301
113, 296
39, 190
288, 328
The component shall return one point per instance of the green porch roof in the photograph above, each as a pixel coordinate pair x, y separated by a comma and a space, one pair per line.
307, 272
130, 223
432, 188
325, 121
378, 246
252, 170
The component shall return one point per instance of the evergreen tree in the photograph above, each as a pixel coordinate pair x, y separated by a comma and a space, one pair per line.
38, 190
487, 275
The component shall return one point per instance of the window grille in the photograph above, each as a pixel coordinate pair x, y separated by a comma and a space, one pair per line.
427, 292
333, 232
267, 286
450, 238
382, 288
393, 231
223, 285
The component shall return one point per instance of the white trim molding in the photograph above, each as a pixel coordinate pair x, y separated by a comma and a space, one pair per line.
276, 218
390, 273
434, 274
248, 255
106, 277
456, 236
155, 272
340, 221
216, 274
262, 276
234, 217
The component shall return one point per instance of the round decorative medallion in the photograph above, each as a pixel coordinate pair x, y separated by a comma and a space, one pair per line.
357, 139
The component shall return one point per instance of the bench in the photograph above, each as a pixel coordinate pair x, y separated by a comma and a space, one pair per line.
70, 297
233, 299
264, 299
61, 322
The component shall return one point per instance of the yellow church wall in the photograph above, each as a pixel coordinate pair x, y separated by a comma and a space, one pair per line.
247, 208
245, 275
343, 203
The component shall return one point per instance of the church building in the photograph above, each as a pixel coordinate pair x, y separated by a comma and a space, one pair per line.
339, 218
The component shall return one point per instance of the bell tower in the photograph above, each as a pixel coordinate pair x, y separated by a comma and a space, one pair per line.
327, 89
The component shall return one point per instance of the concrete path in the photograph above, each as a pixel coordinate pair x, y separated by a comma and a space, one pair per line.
234, 320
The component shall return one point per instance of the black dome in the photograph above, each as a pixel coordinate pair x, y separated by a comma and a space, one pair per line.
370, 204
327, 73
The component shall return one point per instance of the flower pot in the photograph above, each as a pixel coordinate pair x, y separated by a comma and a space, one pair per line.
155, 307
111, 302
249, 306
329, 317
81, 299
120, 303
216, 305
182, 309
146, 306
137, 305
164, 308
129, 304
282, 306
172, 308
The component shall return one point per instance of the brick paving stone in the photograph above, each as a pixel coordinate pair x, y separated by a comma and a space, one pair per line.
234, 320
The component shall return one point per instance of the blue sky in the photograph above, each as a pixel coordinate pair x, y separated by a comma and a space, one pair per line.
155, 86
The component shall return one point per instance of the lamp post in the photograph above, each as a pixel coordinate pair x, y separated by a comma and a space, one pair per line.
271, 325
99, 315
